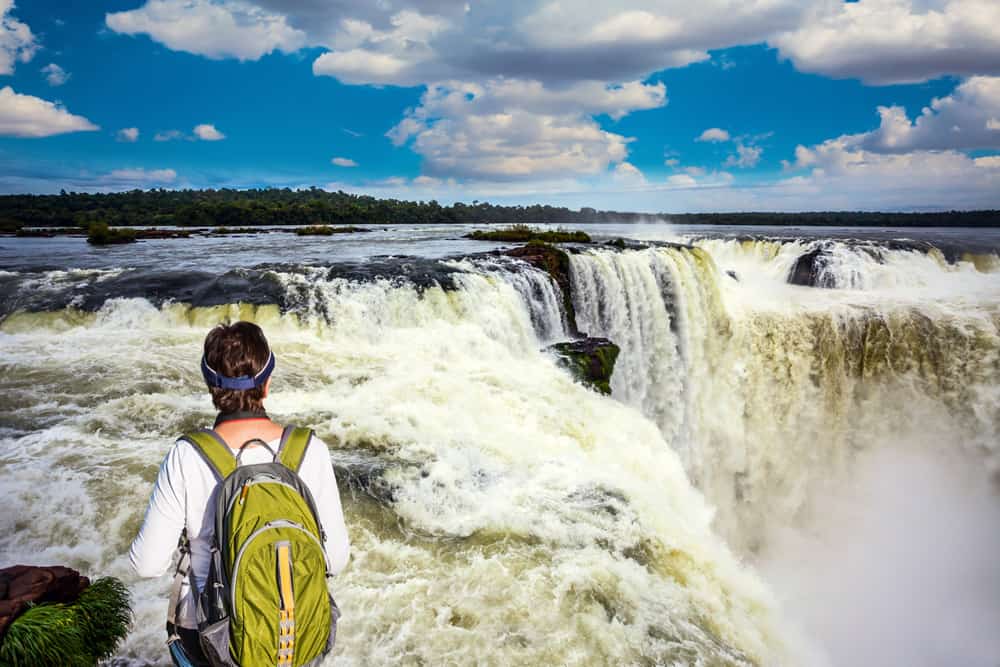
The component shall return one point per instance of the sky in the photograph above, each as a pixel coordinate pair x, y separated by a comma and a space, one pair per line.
659, 106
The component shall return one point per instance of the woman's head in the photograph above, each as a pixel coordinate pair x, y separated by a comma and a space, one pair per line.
234, 351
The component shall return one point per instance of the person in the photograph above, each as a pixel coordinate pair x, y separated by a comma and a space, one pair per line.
182, 500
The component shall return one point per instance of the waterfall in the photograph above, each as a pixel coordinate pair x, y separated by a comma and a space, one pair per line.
765, 389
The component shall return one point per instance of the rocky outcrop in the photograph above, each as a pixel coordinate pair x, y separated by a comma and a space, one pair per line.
24, 585
590, 360
806, 270
555, 262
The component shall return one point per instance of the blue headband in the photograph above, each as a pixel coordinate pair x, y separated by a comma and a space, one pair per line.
215, 379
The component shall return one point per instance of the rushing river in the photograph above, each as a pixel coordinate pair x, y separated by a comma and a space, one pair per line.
783, 475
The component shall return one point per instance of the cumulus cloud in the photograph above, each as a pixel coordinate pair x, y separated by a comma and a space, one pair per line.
897, 41
628, 175
55, 75
128, 134
964, 120
508, 129
17, 42
28, 116
400, 54
844, 174
344, 162
746, 156
414, 42
714, 134
213, 29
207, 132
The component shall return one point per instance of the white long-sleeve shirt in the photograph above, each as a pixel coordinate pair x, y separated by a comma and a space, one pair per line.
184, 497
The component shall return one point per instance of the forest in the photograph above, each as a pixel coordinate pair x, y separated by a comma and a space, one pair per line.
314, 206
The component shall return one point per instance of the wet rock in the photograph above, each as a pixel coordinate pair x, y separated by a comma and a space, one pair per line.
806, 270
590, 360
364, 474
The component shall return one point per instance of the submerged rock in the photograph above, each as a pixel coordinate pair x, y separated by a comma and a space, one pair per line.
590, 360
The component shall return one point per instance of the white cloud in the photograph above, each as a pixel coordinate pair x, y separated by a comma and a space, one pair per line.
897, 41
141, 176
745, 157
517, 130
714, 134
343, 162
958, 121
399, 54
207, 132
611, 41
681, 180
27, 116
55, 75
993, 124
17, 43
213, 29
846, 176
414, 42
128, 134
628, 175
168, 135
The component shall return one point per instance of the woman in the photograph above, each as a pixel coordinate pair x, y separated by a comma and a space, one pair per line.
183, 497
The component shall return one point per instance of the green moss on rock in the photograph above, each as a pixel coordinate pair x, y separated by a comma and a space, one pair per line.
100, 234
590, 360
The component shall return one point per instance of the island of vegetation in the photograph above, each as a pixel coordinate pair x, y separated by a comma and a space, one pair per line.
524, 234
327, 230
275, 207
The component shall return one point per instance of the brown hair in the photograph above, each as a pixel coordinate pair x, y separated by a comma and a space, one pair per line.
235, 350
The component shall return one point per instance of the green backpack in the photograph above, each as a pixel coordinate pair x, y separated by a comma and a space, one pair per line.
265, 601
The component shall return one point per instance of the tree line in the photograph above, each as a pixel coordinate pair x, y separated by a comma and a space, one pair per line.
284, 206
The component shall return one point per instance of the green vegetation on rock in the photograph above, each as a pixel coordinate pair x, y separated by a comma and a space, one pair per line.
326, 230
100, 234
524, 234
70, 635
590, 360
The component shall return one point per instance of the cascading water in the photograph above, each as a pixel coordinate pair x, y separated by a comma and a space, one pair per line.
764, 388
499, 512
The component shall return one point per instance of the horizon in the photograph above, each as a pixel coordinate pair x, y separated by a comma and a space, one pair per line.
660, 110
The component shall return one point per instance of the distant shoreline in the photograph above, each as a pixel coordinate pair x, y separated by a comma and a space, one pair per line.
285, 207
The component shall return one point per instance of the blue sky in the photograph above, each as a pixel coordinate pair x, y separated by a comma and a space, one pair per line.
650, 106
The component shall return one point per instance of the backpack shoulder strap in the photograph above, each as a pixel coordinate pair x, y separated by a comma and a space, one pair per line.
293, 445
214, 451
